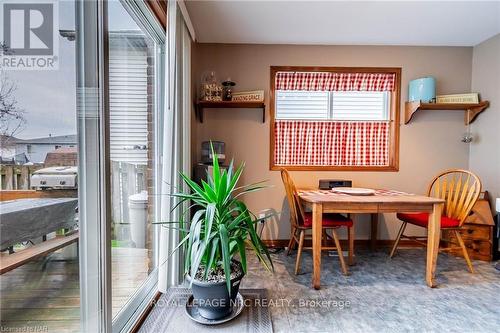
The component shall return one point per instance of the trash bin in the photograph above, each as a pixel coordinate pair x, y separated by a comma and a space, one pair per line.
138, 215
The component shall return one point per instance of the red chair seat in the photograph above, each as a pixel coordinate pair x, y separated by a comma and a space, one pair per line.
422, 219
329, 220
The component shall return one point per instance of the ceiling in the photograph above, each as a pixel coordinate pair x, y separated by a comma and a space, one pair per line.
452, 23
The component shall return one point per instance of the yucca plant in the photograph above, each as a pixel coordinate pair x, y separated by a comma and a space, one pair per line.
221, 225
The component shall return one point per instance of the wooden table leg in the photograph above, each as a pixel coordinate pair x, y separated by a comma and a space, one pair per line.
433, 237
351, 235
374, 231
317, 216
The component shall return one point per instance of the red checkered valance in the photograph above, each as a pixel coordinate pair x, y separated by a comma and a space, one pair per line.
331, 143
335, 81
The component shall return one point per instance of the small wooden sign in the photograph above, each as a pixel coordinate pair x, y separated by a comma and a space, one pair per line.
472, 98
248, 96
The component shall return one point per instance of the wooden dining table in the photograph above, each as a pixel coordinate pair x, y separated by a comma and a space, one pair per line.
382, 201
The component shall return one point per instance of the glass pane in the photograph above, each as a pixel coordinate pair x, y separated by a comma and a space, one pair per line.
39, 169
131, 110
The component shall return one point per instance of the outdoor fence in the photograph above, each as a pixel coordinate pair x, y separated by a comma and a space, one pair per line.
17, 177
126, 179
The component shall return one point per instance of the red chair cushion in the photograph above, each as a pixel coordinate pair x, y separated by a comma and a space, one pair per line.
329, 220
422, 219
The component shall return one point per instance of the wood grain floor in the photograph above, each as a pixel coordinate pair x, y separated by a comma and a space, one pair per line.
45, 293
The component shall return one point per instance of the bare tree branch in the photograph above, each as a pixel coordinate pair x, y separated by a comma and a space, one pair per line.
12, 116
5, 49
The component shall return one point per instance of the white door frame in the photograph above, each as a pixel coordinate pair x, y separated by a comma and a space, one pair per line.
93, 180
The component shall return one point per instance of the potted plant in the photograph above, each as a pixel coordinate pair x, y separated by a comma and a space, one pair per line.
215, 238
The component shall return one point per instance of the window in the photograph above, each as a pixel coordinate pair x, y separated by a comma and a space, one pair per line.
333, 105
134, 48
335, 118
41, 294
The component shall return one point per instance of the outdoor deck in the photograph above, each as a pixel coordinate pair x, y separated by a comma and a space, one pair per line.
45, 293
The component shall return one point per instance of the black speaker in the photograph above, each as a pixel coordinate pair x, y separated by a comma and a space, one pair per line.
201, 172
206, 151
328, 184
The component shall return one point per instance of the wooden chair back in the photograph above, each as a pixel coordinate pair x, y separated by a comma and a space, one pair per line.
296, 209
460, 189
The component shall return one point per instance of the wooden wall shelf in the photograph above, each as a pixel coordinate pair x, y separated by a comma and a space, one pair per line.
201, 105
471, 110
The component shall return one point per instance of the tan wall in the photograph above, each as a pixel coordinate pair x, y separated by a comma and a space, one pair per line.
485, 149
429, 144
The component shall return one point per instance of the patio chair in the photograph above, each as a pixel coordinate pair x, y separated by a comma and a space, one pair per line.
460, 189
301, 222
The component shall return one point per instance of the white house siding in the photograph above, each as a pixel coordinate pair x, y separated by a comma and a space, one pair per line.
128, 105
38, 152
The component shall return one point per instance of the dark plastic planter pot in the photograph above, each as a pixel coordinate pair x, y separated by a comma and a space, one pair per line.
212, 299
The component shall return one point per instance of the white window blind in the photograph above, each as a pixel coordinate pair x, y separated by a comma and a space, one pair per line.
334, 105
294, 104
360, 105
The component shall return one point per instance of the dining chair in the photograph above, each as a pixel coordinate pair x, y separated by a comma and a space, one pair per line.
301, 222
460, 190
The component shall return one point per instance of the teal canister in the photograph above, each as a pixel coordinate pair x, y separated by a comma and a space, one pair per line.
423, 89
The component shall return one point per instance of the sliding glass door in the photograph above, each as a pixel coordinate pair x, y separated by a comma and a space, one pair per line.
134, 48
83, 101
39, 225
120, 50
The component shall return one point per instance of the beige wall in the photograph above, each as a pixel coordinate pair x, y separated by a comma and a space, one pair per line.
430, 143
485, 149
